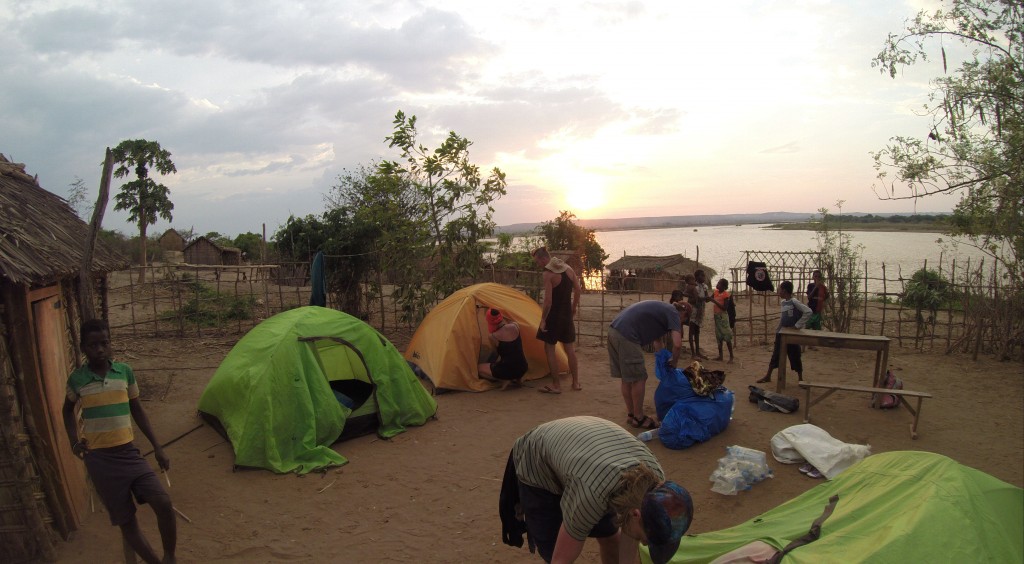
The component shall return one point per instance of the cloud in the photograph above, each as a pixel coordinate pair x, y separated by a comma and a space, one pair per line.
791, 147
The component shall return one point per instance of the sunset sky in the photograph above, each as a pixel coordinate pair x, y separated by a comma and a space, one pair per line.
606, 109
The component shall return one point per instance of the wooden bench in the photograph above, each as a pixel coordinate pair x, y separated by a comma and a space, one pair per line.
900, 394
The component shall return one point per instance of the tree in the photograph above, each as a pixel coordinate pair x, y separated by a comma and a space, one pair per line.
975, 143
451, 210
77, 194
563, 233
143, 198
838, 264
250, 244
927, 290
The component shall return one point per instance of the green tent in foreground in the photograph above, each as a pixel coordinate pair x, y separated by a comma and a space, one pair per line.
893, 507
299, 381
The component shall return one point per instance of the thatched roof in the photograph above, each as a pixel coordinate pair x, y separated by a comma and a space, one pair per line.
676, 265
170, 232
41, 237
219, 247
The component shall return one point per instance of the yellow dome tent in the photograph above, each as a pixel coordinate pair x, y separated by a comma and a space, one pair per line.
452, 339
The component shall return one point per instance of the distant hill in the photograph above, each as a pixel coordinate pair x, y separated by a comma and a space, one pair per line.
685, 221
671, 221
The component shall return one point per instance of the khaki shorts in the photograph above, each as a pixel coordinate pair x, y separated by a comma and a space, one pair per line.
625, 357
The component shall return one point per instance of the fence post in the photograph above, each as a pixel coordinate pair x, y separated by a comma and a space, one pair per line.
885, 300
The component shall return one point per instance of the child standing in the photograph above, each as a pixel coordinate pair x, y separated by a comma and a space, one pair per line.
817, 293
793, 314
723, 329
110, 400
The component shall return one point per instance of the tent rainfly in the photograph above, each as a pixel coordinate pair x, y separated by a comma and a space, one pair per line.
452, 340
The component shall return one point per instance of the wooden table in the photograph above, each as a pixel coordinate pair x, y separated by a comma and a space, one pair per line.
793, 336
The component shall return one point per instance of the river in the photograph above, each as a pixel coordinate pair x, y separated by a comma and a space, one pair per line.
723, 247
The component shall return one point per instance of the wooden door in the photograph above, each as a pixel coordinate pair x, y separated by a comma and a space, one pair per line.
53, 352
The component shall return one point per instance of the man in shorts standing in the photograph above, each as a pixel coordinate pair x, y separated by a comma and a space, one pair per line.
557, 321
109, 396
641, 324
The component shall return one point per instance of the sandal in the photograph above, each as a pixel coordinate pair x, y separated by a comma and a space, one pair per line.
764, 380
632, 420
647, 423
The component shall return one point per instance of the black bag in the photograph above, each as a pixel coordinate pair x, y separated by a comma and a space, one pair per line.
772, 401
730, 309
758, 277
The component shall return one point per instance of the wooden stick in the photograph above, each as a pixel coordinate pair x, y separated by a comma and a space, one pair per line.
183, 516
321, 490
168, 478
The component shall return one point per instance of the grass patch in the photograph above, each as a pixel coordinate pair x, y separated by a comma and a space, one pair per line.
208, 308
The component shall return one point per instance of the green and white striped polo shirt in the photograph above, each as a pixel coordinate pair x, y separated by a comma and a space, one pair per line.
582, 459
105, 411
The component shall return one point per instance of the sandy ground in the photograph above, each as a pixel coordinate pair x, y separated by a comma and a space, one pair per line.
430, 494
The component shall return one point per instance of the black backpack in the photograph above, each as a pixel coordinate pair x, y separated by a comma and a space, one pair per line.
772, 401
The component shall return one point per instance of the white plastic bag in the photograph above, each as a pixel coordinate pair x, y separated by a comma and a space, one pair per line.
813, 444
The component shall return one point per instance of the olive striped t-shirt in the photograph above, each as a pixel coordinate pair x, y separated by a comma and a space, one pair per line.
582, 459
105, 411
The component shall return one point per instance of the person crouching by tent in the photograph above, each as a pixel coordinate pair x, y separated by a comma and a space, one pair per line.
582, 477
508, 362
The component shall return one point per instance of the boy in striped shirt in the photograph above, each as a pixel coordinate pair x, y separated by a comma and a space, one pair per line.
109, 396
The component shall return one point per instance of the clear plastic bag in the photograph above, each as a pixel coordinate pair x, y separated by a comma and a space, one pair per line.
740, 469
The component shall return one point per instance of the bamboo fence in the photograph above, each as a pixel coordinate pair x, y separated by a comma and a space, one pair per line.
165, 304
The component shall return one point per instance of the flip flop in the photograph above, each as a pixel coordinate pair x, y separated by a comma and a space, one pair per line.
632, 420
549, 390
763, 380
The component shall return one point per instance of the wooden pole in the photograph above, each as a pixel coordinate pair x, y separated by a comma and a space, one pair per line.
949, 309
86, 300
885, 300
864, 327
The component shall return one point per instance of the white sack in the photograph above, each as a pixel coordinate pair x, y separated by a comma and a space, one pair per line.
813, 444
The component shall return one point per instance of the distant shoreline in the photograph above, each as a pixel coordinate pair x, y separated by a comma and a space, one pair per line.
880, 226
927, 223
801, 226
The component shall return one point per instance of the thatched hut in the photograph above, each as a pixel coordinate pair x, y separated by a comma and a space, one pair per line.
230, 255
171, 240
42, 484
639, 273
203, 251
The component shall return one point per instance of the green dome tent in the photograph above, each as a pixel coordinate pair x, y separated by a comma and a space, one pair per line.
299, 381
893, 507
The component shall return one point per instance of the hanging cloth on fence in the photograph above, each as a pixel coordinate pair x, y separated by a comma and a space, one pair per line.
758, 277
318, 280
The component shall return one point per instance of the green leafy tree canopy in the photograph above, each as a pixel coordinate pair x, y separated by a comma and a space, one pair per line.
975, 143
143, 198
565, 234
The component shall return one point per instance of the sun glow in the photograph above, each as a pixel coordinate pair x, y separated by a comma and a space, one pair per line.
585, 193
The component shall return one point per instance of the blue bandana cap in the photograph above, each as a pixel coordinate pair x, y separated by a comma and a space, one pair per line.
666, 513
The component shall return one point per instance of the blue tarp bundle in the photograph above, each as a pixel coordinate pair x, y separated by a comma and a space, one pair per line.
687, 418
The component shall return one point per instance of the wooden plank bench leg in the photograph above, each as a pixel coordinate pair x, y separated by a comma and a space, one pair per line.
917, 414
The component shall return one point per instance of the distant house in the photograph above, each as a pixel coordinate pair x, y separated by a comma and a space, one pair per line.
205, 251
657, 274
42, 484
171, 240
